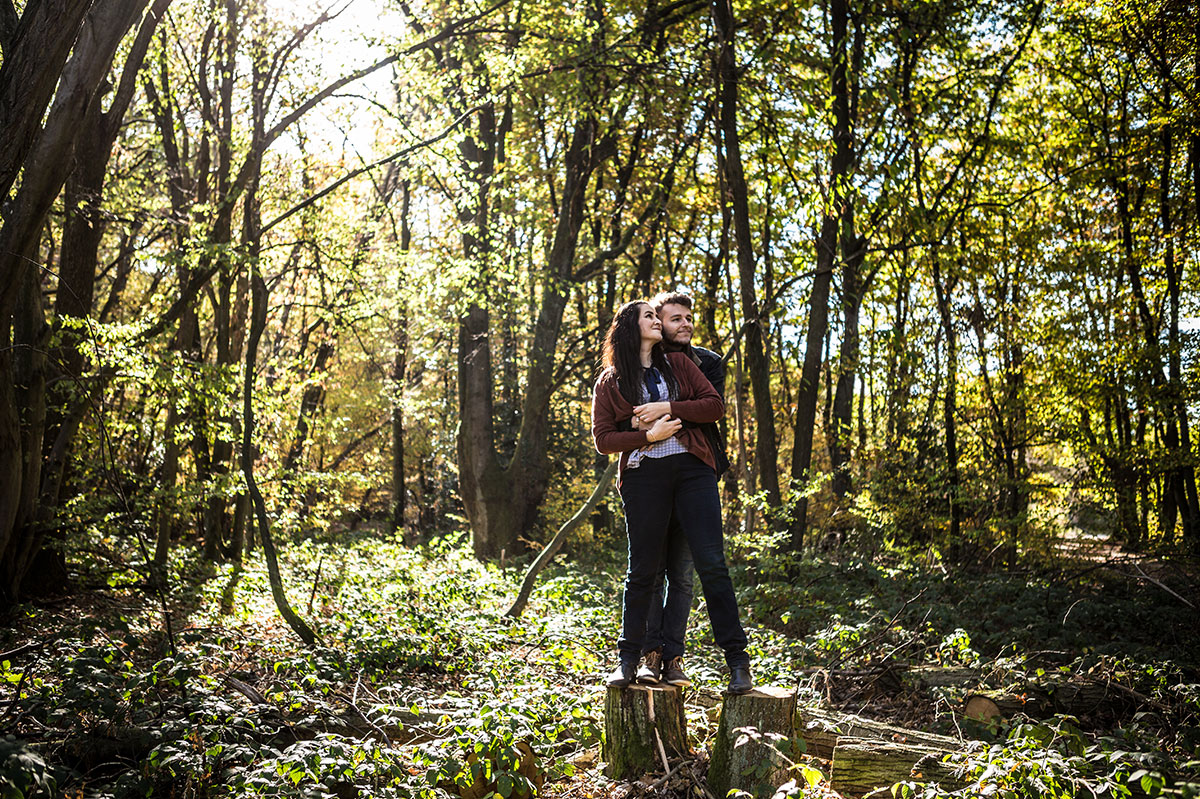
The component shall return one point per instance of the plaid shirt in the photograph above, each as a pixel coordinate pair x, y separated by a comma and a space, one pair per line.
659, 449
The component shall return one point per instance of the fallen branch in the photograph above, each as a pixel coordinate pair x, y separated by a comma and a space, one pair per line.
1161, 585
551, 549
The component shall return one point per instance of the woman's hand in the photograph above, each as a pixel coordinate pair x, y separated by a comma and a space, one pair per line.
651, 411
663, 428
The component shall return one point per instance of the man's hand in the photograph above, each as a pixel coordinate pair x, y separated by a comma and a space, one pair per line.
664, 427
651, 411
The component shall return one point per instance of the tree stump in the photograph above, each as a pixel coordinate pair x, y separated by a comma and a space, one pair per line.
642, 725
758, 766
861, 765
822, 729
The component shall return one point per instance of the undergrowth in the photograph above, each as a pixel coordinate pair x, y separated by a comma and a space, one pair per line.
419, 687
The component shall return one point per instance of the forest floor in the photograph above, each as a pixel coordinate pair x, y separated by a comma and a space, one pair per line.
418, 674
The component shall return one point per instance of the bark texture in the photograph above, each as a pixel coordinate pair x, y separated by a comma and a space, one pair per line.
861, 765
757, 766
636, 720
766, 450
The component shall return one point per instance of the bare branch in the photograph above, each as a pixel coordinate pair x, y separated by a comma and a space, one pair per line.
396, 156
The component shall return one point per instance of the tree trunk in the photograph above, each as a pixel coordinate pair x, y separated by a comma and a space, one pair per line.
853, 249
822, 729
643, 725
945, 293
33, 62
861, 766
757, 766
502, 500
985, 705
827, 242
1183, 473
400, 373
258, 323
766, 448
46, 158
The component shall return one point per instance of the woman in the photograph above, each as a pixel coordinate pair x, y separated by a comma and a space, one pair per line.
665, 468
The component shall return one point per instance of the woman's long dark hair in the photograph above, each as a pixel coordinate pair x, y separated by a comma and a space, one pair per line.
622, 353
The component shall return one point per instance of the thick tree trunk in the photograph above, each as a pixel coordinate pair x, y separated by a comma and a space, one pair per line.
757, 766
861, 766
33, 61
757, 364
985, 705
27, 367
46, 159
502, 500
83, 230
822, 730
642, 726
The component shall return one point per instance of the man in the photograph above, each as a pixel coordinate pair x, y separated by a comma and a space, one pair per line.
662, 655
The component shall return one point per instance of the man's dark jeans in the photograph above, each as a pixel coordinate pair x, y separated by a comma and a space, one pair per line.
666, 623
685, 486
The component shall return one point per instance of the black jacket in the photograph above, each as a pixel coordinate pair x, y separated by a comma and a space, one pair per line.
713, 367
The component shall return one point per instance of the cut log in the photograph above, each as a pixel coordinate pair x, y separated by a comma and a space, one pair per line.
822, 729
863, 765
642, 725
1039, 701
758, 766
986, 705
942, 676
1087, 698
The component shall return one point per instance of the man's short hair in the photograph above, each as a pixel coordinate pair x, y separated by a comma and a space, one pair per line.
670, 298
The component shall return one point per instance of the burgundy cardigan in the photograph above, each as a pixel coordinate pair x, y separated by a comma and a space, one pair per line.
698, 402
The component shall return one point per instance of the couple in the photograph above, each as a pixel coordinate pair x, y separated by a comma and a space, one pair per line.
656, 403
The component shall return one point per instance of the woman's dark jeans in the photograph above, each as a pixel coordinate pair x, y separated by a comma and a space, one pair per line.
671, 598
686, 486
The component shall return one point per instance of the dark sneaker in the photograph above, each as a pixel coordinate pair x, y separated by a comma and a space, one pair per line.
739, 680
622, 675
672, 673
650, 672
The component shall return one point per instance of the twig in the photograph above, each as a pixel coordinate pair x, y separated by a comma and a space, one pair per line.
662, 752
1163, 586
1131, 693
316, 580
21, 650
246, 690
699, 785
354, 706
658, 783
1073, 604
17, 695
886, 629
